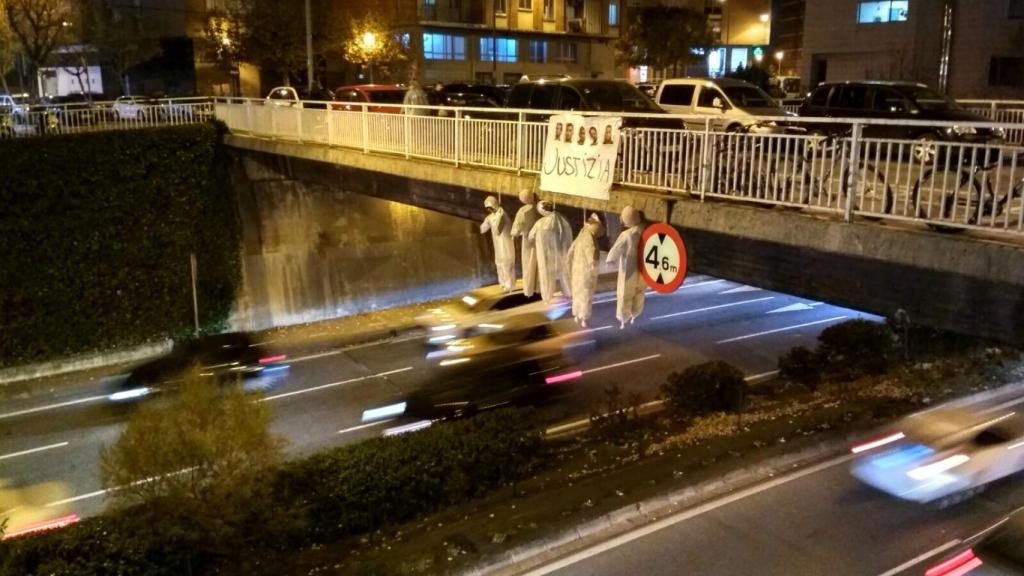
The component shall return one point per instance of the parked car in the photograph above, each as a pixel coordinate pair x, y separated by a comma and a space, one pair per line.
944, 455
76, 109
132, 108
379, 94
732, 104
495, 93
471, 100
291, 96
220, 358
999, 553
588, 96
895, 101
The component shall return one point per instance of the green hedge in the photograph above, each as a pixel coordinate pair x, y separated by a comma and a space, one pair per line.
97, 230
341, 492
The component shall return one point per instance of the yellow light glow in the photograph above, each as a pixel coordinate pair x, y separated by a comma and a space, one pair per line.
369, 40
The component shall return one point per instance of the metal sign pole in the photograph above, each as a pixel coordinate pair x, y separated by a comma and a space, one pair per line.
195, 298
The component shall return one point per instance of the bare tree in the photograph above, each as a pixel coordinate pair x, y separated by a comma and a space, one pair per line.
118, 32
7, 50
39, 26
663, 37
369, 42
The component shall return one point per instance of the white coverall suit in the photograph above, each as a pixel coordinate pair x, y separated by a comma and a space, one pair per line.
584, 256
522, 225
497, 222
630, 289
552, 236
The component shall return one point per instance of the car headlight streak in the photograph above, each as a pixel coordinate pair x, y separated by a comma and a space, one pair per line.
935, 468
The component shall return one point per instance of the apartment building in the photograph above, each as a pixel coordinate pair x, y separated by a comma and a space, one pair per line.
969, 48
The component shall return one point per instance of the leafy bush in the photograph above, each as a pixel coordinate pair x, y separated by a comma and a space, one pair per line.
361, 487
802, 366
348, 490
97, 231
615, 418
855, 348
708, 387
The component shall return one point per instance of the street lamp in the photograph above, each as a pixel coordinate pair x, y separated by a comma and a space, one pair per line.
369, 41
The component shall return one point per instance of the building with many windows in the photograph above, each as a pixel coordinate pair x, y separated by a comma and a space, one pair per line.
498, 41
965, 47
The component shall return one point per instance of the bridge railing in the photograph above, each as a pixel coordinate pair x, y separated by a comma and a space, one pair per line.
947, 176
26, 121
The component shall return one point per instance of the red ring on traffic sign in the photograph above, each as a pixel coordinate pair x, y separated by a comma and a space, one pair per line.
660, 228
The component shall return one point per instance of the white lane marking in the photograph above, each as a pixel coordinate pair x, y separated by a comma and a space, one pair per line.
578, 423
699, 284
115, 488
684, 313
333, 384
362, 426
741, 289
784, 329
683, 516
816, 304
51, 406
618, 364
791, 308
922, 557
33, 450
314, 356
77, 498
598, 329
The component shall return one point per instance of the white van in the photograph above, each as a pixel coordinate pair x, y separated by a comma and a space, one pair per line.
733, 103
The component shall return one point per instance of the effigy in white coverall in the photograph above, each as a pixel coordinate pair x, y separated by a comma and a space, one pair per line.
584, 256
504, 248
552, 236
624, 253
522, 225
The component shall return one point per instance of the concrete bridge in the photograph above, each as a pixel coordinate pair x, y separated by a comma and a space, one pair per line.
833, 247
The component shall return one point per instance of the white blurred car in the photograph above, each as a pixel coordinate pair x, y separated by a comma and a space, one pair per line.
945, 454
483, 311
32, 509
131, 107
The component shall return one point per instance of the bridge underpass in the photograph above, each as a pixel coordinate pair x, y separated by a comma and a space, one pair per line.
964, 282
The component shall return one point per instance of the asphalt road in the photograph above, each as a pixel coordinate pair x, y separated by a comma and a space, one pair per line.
817, 520
58, 438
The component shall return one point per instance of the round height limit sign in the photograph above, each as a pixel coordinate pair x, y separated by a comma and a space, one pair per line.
662, 258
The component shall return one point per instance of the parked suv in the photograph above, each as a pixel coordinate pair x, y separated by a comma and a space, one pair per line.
895, 101
589, 96
733, 104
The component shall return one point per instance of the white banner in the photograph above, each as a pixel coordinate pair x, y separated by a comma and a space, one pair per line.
579, 155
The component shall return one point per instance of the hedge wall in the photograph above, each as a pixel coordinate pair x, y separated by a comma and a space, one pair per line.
97, 230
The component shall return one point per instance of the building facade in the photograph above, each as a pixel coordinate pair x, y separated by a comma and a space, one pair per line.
968, 48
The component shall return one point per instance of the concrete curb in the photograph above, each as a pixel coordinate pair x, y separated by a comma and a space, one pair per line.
535, 554
83, 362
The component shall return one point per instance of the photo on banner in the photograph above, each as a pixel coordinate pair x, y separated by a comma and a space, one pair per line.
580, 154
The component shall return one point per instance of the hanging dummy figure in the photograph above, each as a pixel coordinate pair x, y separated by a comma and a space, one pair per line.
624, 253
584, 256
523, 223
552, 237
504, 248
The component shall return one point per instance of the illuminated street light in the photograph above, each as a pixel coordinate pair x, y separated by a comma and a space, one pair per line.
764, 18
779, 55
369, 40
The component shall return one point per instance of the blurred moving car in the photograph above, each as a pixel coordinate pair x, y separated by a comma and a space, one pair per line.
372, 93
491, 370
471, 100
484, 310
222, 358
132, 108
895, 101
999, 553
77, 109
589, 96
495, 93
946, 454
30, 509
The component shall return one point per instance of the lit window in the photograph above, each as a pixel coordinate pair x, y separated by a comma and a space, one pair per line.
877, 12
538, 51
500, 6
498, 49
613, 14
549, 9
526, 4
443, 46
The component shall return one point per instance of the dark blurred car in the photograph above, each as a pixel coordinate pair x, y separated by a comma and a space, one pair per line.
77, 109
495, 93
221, 358
895, 101
471, 100
373, 93
581, 95
1000, 553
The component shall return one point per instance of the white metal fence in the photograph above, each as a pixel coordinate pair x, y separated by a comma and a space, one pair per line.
41, 120
812, 164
